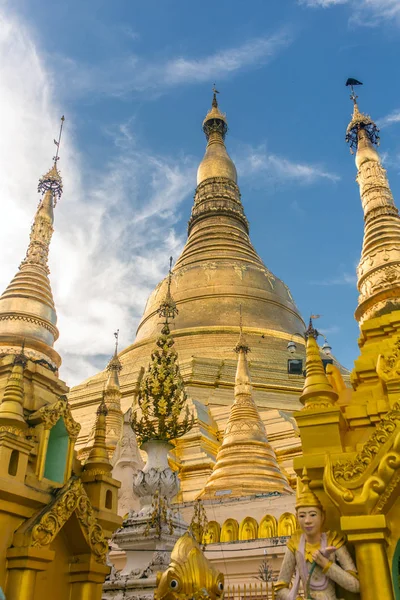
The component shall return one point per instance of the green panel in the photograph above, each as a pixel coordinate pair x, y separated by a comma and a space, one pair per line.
57, 450
396, 571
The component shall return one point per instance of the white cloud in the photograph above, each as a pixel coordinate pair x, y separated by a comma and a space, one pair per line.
113, 229
390, 119
342, 279
258, 160
364, 12
322, 3
134, 74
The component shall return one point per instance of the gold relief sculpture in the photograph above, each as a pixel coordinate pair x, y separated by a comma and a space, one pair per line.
189, 575
388, 366
318, 560
370, 477
353, 469
40, 531
51, 413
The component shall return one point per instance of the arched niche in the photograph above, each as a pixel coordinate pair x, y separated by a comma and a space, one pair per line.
268, 527
213, 533
248, 529
287, 524
230, 531
57, 452
13, 463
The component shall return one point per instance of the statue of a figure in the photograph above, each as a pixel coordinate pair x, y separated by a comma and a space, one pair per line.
318, 559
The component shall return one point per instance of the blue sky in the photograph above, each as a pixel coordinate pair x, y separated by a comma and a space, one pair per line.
134, 81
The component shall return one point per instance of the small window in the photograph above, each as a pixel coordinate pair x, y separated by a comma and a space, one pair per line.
13, 464
109, 499
295, 366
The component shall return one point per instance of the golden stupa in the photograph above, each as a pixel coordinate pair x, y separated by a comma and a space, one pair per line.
246, 463
218, 271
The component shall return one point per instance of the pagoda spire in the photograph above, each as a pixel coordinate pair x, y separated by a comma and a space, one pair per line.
112, 399
98, 460
11, 406
378, 272
246, 462
317, 391
218, 226
26, 306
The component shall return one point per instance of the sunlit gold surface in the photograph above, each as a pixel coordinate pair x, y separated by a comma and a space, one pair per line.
27, 309
379, 267
189, 575
317, 390
246, 463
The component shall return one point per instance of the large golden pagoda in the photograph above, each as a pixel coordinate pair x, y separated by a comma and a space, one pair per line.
217, 271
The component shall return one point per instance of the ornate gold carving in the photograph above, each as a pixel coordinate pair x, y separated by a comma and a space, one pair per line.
352, 469
388, 366
12, 429
51, 413
71, 499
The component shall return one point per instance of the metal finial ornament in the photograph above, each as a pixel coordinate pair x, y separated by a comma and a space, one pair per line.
215, 121
116, 335
241, 345
311, 331
359, 121
167, 309
52, 180
214, 100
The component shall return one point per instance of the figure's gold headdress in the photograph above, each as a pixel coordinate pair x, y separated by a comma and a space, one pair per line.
305, 497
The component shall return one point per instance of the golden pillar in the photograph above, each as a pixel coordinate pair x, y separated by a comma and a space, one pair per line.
23, 564
368, 534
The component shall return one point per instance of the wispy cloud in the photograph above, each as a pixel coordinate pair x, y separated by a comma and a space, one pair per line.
114, 228
323, 3
390, 119
364, 12
259, 160
342, 279
133, 73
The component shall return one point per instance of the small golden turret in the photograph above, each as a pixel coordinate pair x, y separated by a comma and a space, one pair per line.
246, 463
317, 391
27, 307
216, 161
379, 267
112, 400
11, 406
98, 456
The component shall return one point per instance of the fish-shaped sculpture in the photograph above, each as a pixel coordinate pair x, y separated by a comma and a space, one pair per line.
190, 574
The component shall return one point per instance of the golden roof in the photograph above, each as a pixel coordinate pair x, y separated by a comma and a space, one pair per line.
246, 463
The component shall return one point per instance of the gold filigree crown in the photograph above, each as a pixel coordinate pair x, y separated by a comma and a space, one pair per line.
305, 497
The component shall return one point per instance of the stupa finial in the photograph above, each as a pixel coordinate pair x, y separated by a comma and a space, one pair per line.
52, 182
167, 309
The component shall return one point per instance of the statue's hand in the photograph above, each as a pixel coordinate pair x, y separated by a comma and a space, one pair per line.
320, 559
328, 551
